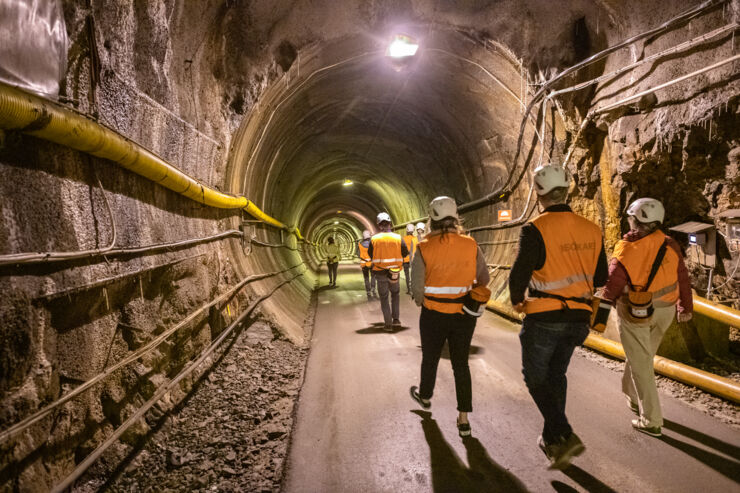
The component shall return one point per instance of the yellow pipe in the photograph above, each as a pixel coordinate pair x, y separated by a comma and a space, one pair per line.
50, 121
718, 312
709, 382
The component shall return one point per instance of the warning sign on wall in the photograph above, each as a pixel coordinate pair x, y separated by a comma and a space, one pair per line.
504, 215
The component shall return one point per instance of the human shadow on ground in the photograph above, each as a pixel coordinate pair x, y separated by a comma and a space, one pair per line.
727, 467
583, 478
704, 439
379, 328
449, 473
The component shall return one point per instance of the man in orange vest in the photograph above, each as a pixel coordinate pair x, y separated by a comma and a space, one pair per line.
387, 250
411, 242
367, 264
559, 263
645, 249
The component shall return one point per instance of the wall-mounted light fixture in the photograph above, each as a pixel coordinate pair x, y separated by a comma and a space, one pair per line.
347, 182
402, 46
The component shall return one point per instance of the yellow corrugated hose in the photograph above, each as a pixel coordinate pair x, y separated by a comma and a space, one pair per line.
48, 120
714, 384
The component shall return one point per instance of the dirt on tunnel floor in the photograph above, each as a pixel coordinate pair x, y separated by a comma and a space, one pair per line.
232, 433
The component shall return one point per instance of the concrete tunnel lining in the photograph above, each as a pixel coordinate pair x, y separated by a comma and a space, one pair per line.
402, 136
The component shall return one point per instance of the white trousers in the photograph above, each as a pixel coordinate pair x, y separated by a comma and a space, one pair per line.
640, 343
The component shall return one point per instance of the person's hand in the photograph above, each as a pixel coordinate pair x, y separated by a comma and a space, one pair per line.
684, 317
519, 307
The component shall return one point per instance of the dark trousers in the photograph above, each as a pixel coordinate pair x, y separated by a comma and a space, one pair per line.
332, 272
457, 329
546, 351
367, 274
406, 266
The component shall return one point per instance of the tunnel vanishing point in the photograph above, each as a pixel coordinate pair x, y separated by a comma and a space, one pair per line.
171, 170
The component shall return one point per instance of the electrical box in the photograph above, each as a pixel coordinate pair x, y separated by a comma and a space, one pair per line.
702, 240
732, 231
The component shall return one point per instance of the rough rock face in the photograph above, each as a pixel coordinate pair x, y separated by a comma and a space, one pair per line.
181, 77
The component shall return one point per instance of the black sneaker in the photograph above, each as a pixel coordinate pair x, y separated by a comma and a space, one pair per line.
396, 322
633, 406
388, 328
642, 426
424, 403
566, 450
463, 429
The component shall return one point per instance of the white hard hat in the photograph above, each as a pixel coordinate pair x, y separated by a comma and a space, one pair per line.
409, 228
442, 207
366, 234
550, 176
383, 216
421, 226
647, 210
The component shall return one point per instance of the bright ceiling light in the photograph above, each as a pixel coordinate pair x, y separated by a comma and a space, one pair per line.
402, 46
336, 222
348, 183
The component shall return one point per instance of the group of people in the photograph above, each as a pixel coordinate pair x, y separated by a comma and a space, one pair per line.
558, 281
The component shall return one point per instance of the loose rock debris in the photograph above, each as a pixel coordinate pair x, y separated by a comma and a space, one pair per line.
232, 434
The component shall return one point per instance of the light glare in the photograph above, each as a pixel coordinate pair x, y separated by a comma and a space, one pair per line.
402, 47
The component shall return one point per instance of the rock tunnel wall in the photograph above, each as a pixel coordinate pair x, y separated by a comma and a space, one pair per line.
238, 95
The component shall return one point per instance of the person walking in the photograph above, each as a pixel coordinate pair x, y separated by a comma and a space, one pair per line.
650, 284
560, 261
387, 250
411, 242
367, 264
332, 260
450, 283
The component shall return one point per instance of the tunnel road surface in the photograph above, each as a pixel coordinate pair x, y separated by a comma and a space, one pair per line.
357, 429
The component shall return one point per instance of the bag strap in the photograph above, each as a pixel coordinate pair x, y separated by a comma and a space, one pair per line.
656, 264
536, 293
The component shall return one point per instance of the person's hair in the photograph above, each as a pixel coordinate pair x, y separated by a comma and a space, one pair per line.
331, 240
646, 228
384, 224
556, 196
446, 225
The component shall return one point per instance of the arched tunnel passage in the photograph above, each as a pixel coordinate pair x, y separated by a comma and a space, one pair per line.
167, 207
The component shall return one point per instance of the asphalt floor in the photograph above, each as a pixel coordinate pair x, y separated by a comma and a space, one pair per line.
357, 429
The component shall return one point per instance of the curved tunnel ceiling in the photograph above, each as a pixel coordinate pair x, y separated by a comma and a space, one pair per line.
445, 124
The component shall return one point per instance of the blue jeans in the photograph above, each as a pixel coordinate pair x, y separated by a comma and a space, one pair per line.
546, 351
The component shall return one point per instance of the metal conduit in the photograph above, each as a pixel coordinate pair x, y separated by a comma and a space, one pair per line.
709, 382
90, 459
715, 311
49, 257
5, 435
48, 120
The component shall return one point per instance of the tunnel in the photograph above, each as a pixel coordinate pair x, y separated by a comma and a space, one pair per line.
172, 173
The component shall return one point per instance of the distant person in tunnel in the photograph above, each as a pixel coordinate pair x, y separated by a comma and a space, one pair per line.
387, 250
411, 242
367, 264
560, 261
650, 284
450, 283
420, 231
332, 260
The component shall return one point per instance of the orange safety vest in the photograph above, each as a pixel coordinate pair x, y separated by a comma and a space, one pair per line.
449, 268
572, 246
637, 258
411, 243
386, 251
364, 255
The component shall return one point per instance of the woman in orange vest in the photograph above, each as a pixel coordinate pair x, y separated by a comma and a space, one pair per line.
450, 282
411, 242
643, 251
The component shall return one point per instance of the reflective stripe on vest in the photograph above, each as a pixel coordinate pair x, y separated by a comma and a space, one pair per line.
447, 289
637, 258
386, 251
449, 270
572, 248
